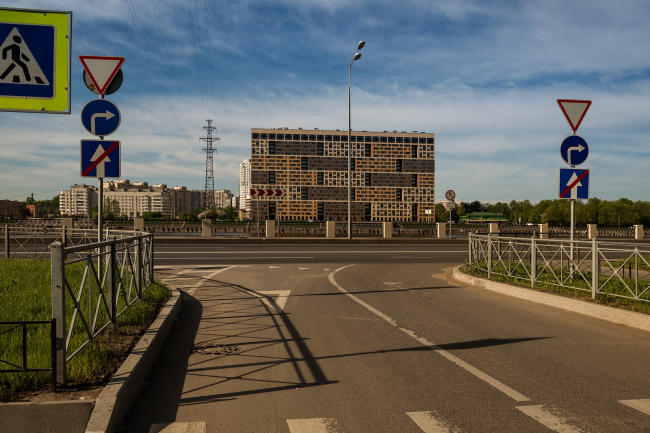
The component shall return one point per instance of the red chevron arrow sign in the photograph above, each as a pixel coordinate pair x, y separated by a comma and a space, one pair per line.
264, 192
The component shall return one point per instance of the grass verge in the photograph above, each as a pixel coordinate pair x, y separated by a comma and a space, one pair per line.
575, 285
25, 294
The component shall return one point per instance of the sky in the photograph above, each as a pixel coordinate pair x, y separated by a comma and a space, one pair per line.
483, 75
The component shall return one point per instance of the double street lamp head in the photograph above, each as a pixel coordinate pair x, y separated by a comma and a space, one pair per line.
361, 45
357, 56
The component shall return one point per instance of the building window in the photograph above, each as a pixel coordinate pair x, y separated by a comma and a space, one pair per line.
407, 139
263, 136
296, 137
328, 138
256, 136
430, 141
303, 137
423, 140
312, 137
319, 149
414, 151
281, 136
304, 163
271, 136
320, 137
383, 139
336, 138
271, 147
400, 140
391, 139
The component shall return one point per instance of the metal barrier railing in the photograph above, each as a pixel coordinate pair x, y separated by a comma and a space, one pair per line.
593, 266
415, 230
24, 367
105, 279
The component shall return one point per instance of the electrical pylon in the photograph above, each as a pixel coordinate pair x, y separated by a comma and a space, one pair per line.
209, 170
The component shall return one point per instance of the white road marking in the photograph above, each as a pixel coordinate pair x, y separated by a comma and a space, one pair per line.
179, 427
475, 371
551, 421
200, 283
309, 252
428, 422
274, 267
312, 425
391, 284
278, 305
302, 269
327, 269
642, 405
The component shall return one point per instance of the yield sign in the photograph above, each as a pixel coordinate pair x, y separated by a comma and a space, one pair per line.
574, 111
101, 70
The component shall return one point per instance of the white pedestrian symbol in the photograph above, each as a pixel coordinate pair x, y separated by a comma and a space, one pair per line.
17, 64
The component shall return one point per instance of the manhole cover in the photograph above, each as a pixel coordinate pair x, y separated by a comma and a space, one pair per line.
213, 349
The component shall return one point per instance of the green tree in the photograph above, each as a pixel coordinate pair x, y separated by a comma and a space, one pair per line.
228, 213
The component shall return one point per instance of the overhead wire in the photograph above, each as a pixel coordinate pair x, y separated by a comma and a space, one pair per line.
196, 59
145, 45
207, 31
170, 63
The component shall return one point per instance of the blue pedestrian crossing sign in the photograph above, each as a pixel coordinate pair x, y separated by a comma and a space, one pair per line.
574, 150
100, 158
35, 61
100, 117
574, 183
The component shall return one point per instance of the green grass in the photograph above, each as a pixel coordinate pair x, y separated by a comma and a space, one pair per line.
578, 287
25, 294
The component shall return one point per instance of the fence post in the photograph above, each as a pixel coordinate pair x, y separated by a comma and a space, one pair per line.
53, 353
470, 248
533, 262
489, 255
57, 282
138, 266
63, 237
6, 241
150, 264
595, 268
111, 289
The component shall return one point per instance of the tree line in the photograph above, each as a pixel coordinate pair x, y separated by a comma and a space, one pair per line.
622, 212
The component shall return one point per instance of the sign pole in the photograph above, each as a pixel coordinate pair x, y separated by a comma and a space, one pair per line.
258, 216
100, 212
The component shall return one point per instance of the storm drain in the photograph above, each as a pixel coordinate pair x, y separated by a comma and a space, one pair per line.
213, 349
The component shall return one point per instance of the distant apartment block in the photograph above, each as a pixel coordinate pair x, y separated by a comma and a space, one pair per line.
223, 198
245, 187
9, 209
133, 198
393, 174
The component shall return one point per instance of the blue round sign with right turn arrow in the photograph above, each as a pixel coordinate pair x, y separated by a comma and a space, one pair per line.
574, 150
100, 117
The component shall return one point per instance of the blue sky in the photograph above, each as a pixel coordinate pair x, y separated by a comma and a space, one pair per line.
484, 76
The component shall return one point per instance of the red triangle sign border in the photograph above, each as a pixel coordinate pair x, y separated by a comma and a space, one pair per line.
575, 127
100, 89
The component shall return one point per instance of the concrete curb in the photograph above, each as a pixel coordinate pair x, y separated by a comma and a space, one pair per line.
301, 241
603, 312
115, 400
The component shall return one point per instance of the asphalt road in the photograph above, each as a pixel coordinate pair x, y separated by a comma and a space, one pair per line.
370, 343
305, 253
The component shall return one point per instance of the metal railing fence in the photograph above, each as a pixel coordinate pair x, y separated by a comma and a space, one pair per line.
24, 367
602, 268
415, 230
102, 280
34, 242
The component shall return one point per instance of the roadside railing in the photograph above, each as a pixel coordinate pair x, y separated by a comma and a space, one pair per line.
360, 230
34, 242
602, 268
24, 366
415, 230
92, 285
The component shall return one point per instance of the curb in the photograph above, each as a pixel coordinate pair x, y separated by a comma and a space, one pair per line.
170, 240
603, 312
115, 400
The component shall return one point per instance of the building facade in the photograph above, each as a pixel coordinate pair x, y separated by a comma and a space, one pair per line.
79, 200
10, 209
393, 174
245, 188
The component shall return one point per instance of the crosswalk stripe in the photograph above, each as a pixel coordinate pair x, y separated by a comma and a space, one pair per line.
642, 405
312, 425
428, 423
178, 427
551, 421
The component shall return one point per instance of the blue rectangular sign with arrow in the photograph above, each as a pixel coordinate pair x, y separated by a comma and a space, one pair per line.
100, 158
574, 183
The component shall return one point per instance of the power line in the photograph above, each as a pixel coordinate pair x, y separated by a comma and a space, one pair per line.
187, 62
145, 45
207, 31
170, 63
196, 59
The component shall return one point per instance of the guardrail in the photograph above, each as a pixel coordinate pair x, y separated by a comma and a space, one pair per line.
24, 367
593, 266
34, 242
102, 280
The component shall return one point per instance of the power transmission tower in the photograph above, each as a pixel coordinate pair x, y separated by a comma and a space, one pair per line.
209, 170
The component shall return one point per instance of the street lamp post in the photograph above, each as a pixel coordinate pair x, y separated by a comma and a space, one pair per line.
357, 56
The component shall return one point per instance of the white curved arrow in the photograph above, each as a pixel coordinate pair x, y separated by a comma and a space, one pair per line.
107, 115
579, 148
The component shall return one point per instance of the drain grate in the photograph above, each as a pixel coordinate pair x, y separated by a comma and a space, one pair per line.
213, 349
